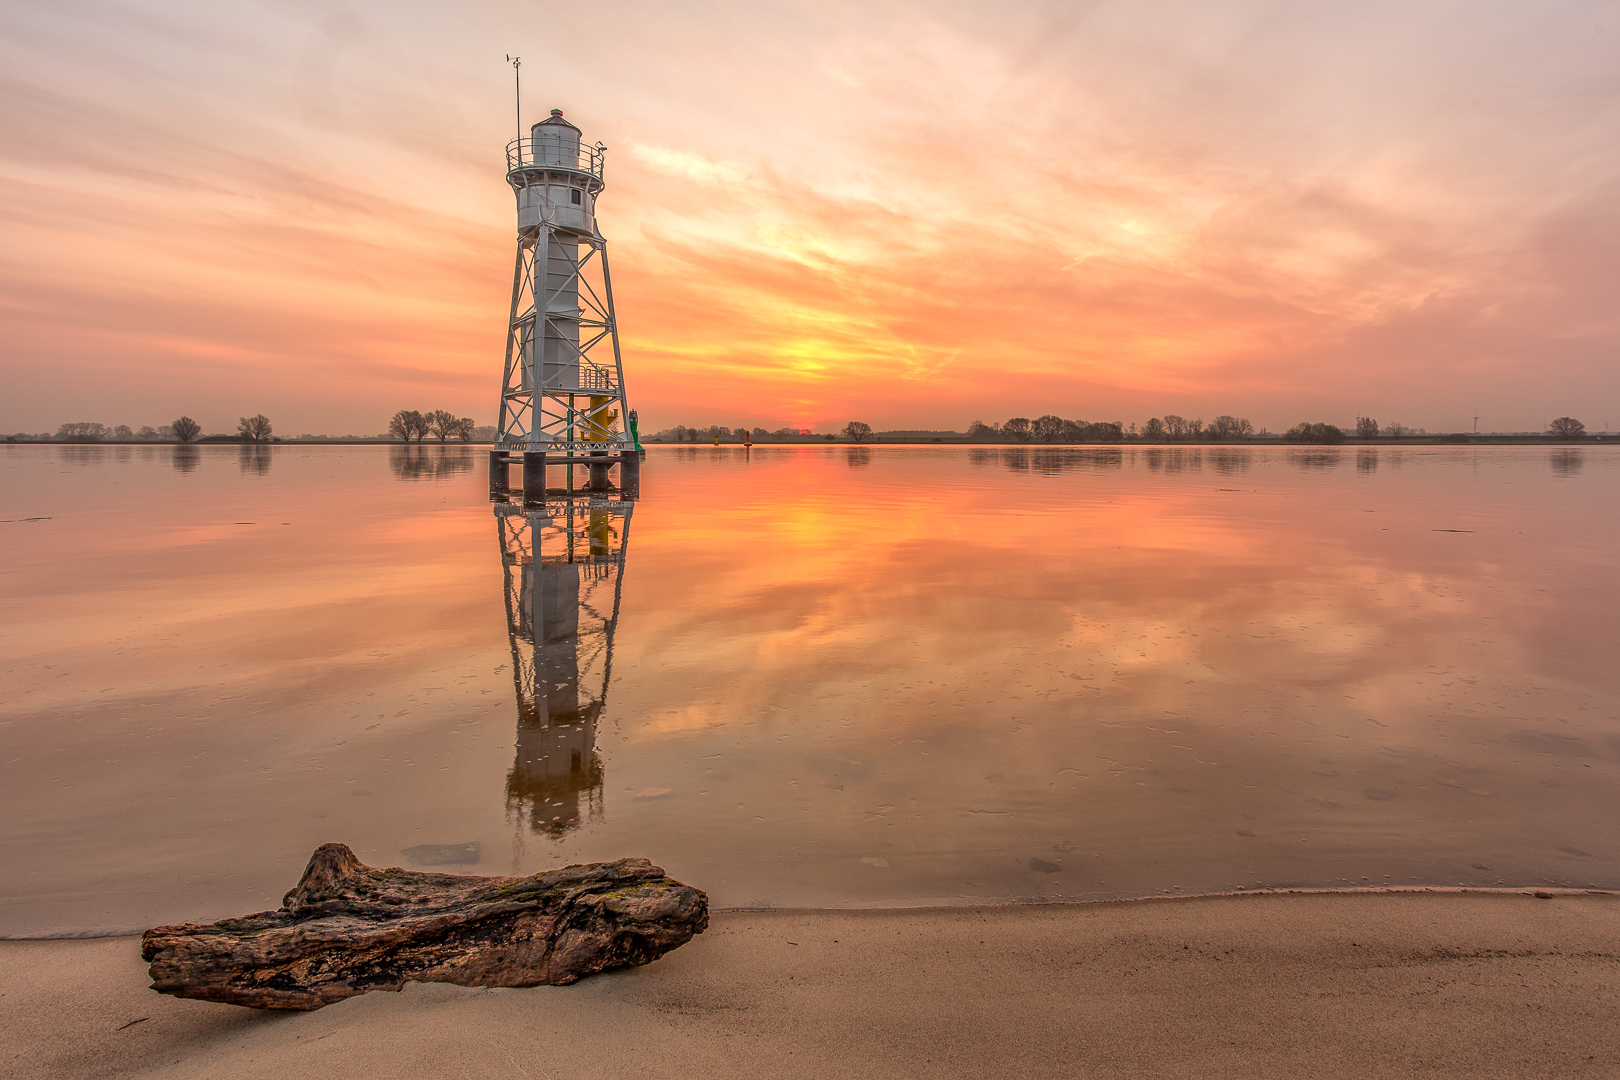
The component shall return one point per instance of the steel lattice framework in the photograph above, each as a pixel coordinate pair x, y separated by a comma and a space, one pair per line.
563, 386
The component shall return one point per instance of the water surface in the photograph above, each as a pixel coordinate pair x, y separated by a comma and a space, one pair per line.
806, 676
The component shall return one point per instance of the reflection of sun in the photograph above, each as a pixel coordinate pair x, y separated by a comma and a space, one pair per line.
1141, 586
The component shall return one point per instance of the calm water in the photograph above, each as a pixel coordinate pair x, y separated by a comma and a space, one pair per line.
807, 676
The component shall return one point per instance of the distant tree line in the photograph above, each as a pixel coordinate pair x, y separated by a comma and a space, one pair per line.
184, 429
1315, 433
1565, 427
1047, 429
1173, 428
680, 433
413, 426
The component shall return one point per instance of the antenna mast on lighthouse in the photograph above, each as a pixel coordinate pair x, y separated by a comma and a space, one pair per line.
517, 88
562, 395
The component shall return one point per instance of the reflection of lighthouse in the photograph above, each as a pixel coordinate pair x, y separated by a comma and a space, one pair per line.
563, 561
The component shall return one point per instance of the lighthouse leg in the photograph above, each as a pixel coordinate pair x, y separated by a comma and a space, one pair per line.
534, 478
599, 465
630, 474
500, 481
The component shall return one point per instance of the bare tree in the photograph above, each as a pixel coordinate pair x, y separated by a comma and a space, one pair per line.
1567, 427
83, 431
1048, 428
1366, 427
1230, 427
1315, 433
185, 429
407, 425
440, 424
1395, 429
855, 430
464, 429
981, 430
1153, 429
122, 431
254, 428
1175, 427
1018, 428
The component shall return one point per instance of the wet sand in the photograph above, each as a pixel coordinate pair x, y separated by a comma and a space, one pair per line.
1319, 985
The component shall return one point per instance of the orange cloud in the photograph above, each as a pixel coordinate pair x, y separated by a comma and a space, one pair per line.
915, 218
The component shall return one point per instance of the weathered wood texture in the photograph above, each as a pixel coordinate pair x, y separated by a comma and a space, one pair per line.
348, 928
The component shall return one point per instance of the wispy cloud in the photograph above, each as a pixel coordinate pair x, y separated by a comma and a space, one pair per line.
1120, 209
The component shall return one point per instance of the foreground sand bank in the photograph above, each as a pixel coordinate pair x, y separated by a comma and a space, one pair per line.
1359, 985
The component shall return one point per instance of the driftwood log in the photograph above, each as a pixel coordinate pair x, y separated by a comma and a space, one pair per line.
348, 928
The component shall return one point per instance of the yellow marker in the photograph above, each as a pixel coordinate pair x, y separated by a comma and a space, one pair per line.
600, 427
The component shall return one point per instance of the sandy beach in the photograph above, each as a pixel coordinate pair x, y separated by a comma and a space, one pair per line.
1274, 985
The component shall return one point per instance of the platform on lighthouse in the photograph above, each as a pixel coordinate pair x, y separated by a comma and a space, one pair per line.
598, 459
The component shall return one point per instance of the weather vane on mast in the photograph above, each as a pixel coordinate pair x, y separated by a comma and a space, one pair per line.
517, 86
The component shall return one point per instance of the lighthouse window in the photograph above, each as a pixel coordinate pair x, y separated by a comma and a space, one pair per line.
577, 199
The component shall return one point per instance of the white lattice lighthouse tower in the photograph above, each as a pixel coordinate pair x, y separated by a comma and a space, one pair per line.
562, 397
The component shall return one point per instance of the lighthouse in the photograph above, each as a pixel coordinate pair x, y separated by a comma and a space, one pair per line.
562, 393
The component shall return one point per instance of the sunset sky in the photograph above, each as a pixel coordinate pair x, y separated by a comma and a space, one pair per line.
915, 215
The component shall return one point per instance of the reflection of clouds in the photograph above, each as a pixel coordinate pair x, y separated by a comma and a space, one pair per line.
1216, 677
1165, 586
